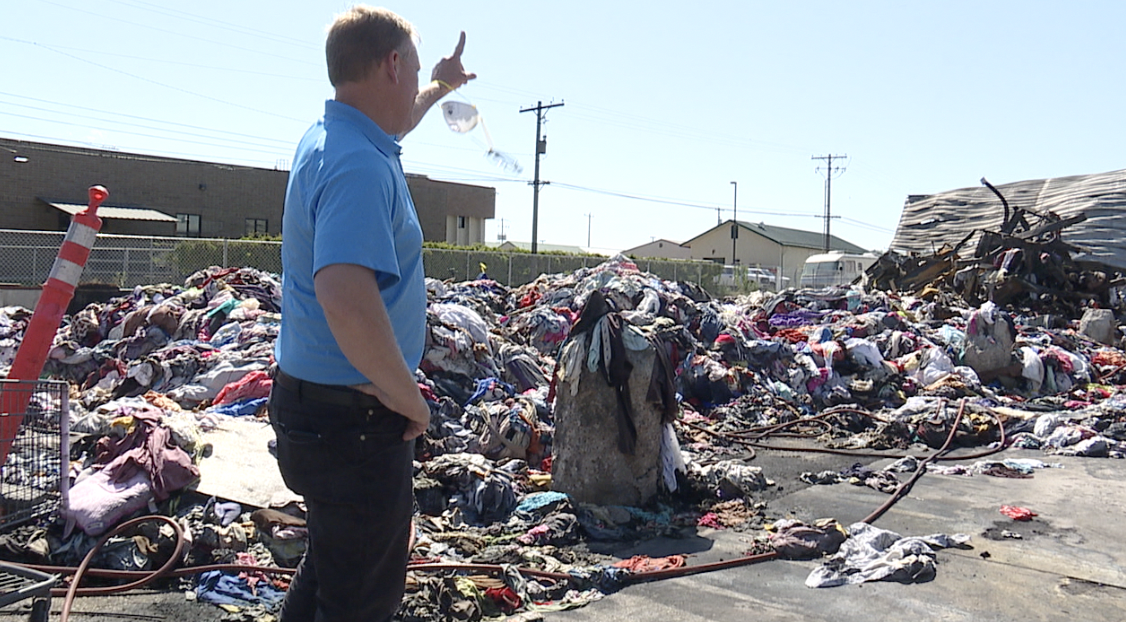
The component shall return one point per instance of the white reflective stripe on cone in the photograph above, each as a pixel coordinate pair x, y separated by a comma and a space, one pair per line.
66, 271
82, 235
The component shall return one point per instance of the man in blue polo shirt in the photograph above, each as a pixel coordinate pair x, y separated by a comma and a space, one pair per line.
345, 405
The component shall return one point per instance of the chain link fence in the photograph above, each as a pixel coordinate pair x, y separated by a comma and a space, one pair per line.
26, 257
514, 269
127, 261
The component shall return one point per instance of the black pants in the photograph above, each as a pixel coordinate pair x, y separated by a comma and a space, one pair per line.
343, 451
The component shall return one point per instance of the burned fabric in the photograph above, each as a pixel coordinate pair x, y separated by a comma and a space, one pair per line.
873, 554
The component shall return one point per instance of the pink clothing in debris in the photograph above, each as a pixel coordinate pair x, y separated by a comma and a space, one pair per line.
148, 447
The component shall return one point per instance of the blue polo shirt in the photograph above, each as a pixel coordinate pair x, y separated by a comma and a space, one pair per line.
347, 201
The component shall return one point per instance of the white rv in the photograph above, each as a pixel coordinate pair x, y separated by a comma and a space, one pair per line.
835, 268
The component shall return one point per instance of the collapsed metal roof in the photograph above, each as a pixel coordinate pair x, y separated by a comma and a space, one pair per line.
930, 221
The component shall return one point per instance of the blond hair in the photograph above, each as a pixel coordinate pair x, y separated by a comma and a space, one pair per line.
361, 38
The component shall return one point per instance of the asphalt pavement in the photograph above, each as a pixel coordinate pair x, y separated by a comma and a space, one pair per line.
1069, 562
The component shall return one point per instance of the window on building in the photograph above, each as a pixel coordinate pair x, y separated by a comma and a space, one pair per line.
461, 222
255, 226
187, 225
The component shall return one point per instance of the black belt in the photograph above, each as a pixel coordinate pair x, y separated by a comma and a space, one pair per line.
336, 394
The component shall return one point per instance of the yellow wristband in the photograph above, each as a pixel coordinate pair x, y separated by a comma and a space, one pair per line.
445, 84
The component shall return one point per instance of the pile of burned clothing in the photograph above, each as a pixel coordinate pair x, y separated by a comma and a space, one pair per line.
903, 358
143, 457
879, 349
853, 369
207, 342
489, 365
492, 353
214, 533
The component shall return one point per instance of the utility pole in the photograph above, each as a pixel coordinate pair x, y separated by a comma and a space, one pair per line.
541, 147
588, 216
734, 222
830, 170
501, 237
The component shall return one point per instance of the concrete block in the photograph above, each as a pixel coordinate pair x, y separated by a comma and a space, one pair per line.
990, 348
1100, 325
587, 463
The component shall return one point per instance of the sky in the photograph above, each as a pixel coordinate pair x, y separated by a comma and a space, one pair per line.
664, 103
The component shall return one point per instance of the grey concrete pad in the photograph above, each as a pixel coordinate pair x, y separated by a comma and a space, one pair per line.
1070, 563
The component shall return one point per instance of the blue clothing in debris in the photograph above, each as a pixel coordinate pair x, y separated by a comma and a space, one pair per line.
227, 512
492, 499
492, 390
218, 588
240, 408
607, 579
347, 202
538, 500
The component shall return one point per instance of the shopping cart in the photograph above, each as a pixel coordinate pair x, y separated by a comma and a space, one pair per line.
18, 584
33, 479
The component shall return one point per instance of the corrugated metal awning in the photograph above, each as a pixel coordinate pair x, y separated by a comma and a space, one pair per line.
122, 213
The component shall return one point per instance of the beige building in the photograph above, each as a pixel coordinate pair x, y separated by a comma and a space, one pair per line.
777, 249
663, 249
41, 185
509, 245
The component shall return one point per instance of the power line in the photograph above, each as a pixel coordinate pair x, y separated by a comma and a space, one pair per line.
166, 61
199, 19
178, 34
160, 156
479, 179
681, 203
179, 140
636, 122
631, 120
168, 86
445, 173
655, 127
624, 120
667, 201
289, 145
472, 176
505, 89
415, 164
130, 116
865, 225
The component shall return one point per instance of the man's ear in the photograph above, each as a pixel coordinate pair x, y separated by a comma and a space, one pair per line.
393, 64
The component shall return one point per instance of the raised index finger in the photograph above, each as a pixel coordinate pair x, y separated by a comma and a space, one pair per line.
460, 46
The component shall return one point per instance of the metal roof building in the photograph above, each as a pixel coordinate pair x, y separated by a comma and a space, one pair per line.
781, 250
